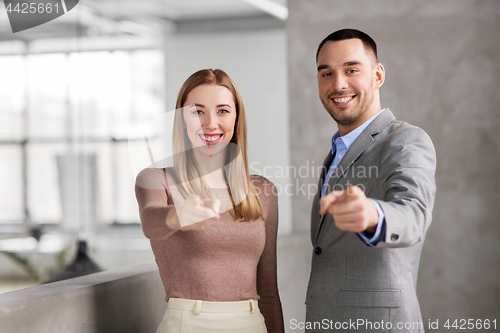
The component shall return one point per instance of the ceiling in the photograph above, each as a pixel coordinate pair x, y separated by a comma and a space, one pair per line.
145, 18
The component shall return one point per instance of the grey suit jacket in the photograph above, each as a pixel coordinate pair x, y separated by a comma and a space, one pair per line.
394, 163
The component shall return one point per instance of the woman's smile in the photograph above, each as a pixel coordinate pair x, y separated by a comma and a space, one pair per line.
210, 139
210, 117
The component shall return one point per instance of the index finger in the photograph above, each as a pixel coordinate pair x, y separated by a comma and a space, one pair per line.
330, 199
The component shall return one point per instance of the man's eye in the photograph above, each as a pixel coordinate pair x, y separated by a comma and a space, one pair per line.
326, 74
351, 71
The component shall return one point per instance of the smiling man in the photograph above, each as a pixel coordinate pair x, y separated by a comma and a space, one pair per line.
375, 200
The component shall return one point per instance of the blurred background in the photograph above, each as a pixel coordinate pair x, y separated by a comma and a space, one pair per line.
72, 90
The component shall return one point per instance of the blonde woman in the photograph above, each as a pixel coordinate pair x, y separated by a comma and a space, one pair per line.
212, 226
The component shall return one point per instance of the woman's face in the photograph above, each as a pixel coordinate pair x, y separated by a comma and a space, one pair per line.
210, 115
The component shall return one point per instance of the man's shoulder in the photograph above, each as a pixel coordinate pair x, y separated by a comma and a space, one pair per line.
401, 141
403, 132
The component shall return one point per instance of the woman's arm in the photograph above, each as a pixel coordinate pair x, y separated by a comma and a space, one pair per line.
267, 279
159, 220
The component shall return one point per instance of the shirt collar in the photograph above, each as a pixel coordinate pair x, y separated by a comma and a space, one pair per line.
350, 137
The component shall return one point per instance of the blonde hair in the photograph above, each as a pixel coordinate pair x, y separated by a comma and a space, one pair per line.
187, 171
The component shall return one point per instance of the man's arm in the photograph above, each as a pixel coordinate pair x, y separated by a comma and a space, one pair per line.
408, 190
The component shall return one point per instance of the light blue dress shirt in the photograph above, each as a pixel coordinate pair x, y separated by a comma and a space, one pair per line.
340, 146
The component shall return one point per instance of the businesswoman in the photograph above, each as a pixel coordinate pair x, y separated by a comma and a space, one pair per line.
212, 226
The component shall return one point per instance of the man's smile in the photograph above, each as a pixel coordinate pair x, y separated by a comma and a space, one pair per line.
342, 100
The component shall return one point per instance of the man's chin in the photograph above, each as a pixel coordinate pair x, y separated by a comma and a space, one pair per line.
344, 119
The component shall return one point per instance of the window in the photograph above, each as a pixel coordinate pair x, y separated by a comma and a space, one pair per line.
64, 124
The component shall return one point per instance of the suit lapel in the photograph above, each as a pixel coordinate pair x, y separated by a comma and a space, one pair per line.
315, 217
364, 140
326, 165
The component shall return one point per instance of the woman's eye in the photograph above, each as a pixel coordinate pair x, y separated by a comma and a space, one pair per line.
197, 112
223, 111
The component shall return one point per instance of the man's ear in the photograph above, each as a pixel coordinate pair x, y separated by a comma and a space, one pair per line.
379, 75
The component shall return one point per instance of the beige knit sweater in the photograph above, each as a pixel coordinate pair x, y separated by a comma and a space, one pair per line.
226, 261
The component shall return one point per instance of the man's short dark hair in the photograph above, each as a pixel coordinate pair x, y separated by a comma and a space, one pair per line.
344, 34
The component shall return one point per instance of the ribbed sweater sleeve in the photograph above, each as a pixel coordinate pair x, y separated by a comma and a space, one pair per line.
152, 196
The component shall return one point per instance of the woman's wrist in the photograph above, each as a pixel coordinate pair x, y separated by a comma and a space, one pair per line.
172, 220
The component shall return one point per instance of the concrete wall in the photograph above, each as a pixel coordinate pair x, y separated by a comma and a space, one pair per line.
294, 265
442, 74
124, 300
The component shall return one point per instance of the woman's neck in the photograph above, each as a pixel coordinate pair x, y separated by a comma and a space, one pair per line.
215, 179
212, 167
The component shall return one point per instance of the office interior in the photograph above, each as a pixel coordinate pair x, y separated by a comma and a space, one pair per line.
73, 90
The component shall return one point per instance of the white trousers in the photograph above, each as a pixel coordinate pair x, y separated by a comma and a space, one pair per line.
193, 316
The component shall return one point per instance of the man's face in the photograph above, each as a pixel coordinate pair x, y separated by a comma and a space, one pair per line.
348, 80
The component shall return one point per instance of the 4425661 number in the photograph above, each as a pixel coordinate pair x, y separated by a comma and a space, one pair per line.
471, 324
33, 7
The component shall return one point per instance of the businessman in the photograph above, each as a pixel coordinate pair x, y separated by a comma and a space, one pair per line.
375, 199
